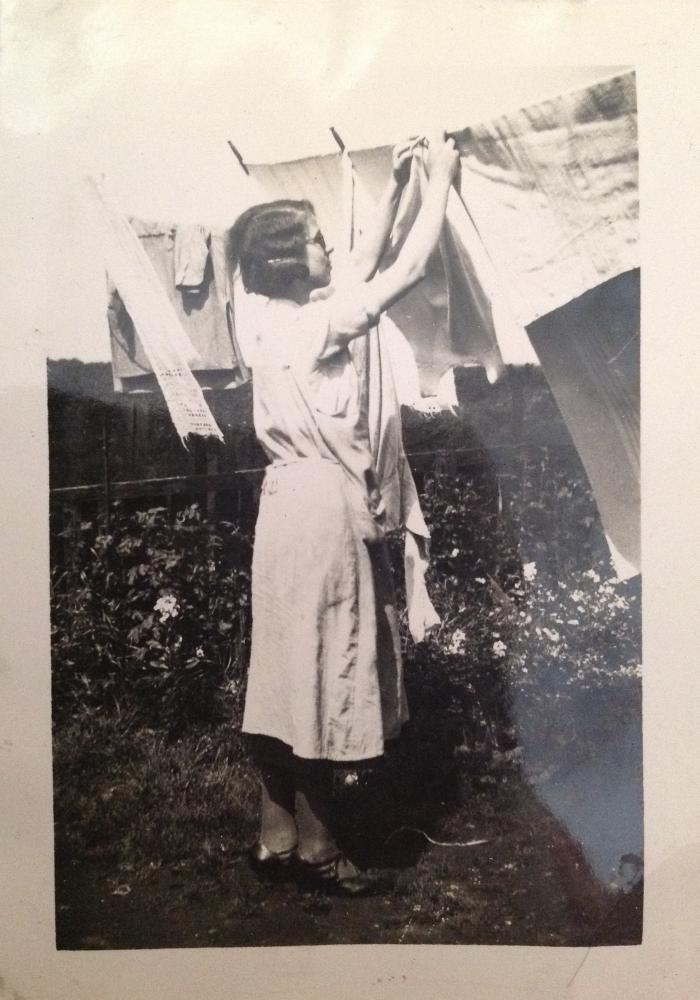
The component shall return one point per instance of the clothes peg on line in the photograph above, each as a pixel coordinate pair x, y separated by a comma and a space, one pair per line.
341, 144
239, 158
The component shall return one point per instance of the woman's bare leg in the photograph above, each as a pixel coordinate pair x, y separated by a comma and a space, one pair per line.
278, 829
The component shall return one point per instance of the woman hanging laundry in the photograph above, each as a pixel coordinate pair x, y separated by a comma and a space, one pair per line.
325, 681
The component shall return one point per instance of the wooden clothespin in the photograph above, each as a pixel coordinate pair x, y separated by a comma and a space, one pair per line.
239, 158
341, 144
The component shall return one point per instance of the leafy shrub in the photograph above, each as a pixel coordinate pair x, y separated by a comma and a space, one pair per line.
152, 615
152, 619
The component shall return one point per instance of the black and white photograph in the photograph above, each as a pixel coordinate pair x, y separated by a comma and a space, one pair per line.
344, 516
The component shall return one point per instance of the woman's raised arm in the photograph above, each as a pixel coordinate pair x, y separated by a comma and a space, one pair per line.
409, 267
386, 288
367, 253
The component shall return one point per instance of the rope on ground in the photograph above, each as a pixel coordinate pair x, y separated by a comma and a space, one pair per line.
437, 843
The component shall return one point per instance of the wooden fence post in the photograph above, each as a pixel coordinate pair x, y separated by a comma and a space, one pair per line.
212, 469
105, 466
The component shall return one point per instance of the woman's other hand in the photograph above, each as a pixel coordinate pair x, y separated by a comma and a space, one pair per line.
443, 158
401, 157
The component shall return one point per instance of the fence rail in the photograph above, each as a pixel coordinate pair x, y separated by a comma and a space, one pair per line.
212, 482
133, 488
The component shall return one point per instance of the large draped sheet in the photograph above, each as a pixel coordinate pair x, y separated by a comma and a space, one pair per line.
589, 349
553, 191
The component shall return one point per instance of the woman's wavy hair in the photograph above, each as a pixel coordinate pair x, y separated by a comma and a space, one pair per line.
268, 242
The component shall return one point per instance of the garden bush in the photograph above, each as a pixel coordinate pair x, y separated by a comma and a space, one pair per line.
152, 617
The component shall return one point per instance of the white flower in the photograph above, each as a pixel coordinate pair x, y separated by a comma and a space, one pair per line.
479, 579
351, 778
573, 621
199, 653
166, 607
530, 571
577, 596
551, 634
457, 641
454, 553
592, 575
499, 649
165, 603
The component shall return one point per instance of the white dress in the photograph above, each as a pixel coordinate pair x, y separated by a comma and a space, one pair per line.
325, 672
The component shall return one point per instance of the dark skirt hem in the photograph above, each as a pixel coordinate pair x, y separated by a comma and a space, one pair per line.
267, 750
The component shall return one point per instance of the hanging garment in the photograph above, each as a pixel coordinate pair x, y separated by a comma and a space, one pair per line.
461, 288
191, 265
168, 347
191, 255
379, 401
589, 350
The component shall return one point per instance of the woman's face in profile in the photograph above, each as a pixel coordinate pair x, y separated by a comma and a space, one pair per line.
317, 255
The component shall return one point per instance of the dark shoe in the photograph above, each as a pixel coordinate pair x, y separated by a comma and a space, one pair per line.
276, 866
338, 877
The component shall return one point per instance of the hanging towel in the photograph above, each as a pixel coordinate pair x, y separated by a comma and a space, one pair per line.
202, 310
191, 256
167, 346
